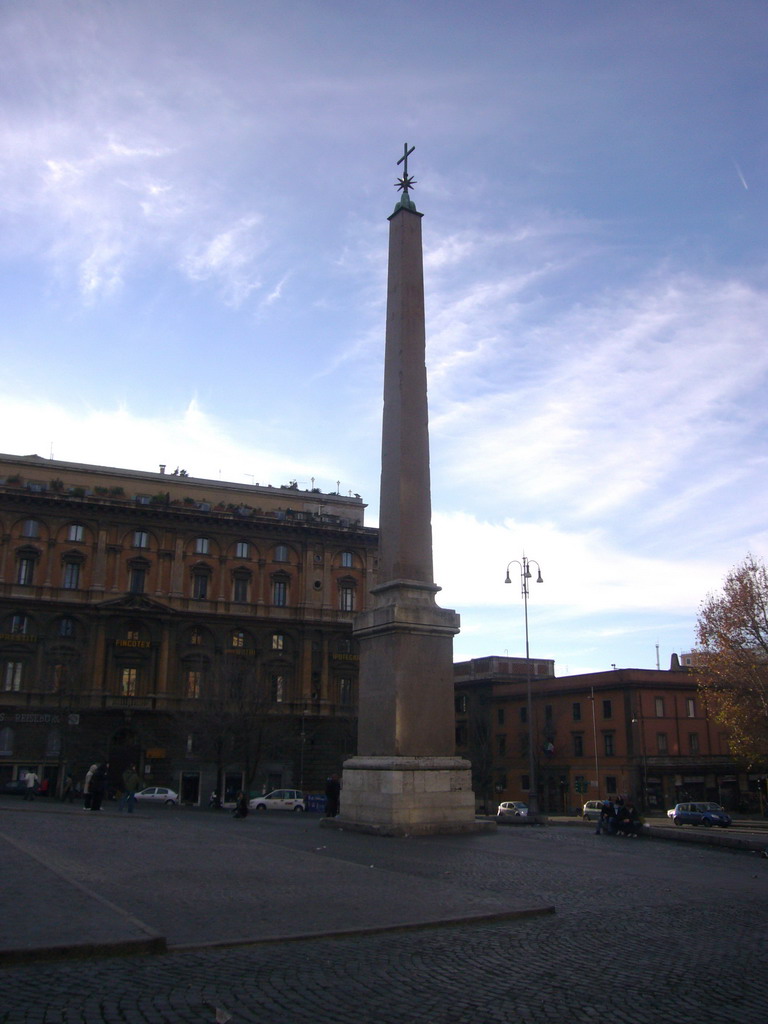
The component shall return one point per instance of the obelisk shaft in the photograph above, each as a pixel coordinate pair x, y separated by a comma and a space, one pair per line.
405, 518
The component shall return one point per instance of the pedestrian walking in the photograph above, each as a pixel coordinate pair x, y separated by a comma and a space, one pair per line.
98, 786
131, 783
241, 806
31, 780
68, 790
87, 794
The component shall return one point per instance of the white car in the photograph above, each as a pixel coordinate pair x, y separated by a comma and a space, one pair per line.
159, 795
512, 809
279, 800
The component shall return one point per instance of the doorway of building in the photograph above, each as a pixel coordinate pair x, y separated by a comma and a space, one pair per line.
233, 783
189, 788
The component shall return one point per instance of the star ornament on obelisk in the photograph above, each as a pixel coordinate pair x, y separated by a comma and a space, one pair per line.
406, 778
407, 181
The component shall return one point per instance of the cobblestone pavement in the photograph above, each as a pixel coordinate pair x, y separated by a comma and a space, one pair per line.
644, 932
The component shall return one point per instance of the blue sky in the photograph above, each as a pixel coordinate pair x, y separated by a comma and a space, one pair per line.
193, 245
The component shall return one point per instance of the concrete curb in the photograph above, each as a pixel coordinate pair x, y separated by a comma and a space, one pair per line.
83, 951
405, 926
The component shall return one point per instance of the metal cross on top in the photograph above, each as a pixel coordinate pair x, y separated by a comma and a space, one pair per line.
407, 181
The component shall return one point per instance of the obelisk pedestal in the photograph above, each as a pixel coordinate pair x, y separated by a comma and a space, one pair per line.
405, 777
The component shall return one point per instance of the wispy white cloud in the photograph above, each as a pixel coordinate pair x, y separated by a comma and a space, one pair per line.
639, 387
230, 257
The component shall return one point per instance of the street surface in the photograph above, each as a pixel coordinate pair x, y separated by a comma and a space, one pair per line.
644, 931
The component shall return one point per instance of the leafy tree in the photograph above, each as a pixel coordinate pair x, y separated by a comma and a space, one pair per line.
732, 632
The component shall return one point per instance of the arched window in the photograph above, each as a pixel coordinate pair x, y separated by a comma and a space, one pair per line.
53, 743
30, 528
345, 691
281, 553
241, 586
347, 588
129, 681
347, 559
72, 564
193, 679
202, 546
280, 591
66, 626
6, 741
278, 688
201, 581
12, 676
76, 533
26, 560
138, 573
20, 624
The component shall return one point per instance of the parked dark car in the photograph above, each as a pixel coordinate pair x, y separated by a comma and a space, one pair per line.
17, 787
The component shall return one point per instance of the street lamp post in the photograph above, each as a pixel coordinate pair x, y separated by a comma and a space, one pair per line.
525, 575
303, 741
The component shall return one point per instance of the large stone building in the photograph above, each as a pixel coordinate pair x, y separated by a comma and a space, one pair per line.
638, 732
199, 628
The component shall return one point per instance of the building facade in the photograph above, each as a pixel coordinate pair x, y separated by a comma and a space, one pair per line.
200, 629
626, 732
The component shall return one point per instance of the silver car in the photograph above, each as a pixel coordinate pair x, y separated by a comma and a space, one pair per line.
592, 810
158, 795
512, 809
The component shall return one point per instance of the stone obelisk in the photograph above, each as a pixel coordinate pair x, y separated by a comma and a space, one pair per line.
405, 777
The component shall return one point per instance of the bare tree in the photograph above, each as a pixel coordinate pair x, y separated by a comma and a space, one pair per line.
732, 632
235, 718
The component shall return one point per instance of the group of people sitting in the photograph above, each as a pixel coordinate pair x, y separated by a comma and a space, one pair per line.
619, 819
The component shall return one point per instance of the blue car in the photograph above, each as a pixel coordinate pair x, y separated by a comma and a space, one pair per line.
699, 814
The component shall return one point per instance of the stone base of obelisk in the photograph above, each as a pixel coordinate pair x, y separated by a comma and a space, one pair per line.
397, 796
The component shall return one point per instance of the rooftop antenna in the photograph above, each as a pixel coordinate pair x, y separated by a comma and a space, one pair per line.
657, 658
51, 455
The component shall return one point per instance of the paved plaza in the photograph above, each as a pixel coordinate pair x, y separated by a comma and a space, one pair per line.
191, 916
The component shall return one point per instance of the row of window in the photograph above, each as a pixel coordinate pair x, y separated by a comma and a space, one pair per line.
202, 545
131, 679
19, 625
201, 582
501, 782
609, 748
576, 708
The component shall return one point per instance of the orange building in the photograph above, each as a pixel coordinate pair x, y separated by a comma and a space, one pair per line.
633, 732
126, 596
